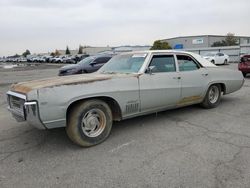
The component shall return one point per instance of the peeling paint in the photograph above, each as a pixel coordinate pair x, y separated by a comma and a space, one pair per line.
187, 100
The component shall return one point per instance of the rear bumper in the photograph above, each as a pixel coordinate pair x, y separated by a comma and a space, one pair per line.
245, 69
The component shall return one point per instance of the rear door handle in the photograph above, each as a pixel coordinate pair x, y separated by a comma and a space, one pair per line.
177, 77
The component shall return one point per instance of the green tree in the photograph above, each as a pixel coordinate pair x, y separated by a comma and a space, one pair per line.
27, 52
67, 51
219, 43
158, 45
230, 40
80, 51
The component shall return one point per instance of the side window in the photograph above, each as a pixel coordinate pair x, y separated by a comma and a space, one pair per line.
221, 54
101, 60
163, 63
186, 63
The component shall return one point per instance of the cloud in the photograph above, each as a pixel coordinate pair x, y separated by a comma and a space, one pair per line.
42, 26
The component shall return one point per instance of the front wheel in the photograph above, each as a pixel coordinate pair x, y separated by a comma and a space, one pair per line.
213, 97
89, 123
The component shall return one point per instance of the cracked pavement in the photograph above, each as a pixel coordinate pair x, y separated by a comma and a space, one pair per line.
186, 147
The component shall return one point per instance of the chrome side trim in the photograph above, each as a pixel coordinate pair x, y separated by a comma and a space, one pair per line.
54, 121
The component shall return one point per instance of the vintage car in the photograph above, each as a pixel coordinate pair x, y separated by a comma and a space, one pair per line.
130, 84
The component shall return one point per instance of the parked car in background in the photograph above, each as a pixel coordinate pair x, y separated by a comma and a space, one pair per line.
69, 60
217, 58
129, 85
38, 59
87, 65
80, 57
244, 65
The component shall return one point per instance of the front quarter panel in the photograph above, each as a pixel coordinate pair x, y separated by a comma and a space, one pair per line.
54, 101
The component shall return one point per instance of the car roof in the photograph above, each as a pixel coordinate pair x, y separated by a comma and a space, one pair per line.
202, 61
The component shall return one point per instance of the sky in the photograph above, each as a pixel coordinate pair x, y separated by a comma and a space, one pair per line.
46, 25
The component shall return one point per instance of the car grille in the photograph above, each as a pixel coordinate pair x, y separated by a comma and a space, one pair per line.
16, 105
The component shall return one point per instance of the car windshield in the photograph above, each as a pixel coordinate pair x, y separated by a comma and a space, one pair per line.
86, 60
210, 54
124, 63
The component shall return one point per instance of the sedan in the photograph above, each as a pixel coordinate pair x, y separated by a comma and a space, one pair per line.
87, 65
244, 65
129, 85
217, 58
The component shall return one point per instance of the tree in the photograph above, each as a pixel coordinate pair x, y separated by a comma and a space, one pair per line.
52, 54
219, 43
80, 51
230, 40
26, 53
57, 53
158, 45
67, 51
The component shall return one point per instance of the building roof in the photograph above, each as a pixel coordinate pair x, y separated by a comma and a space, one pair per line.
193, 36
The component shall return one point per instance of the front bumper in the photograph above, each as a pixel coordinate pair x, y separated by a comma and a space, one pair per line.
27, 111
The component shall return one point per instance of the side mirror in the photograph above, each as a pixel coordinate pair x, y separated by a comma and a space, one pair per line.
150, 70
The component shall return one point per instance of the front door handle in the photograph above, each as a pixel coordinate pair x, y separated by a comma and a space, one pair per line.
177, 77
206, 74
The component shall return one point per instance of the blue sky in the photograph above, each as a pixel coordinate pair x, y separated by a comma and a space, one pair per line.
46, 25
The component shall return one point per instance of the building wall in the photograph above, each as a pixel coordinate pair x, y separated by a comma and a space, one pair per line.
201, 41
234, 52
188, 42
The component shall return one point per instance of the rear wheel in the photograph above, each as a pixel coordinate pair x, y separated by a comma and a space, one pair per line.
213, 97
89, 123
244, 74
213, 61
225, 62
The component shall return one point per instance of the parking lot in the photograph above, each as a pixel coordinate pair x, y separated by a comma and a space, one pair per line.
186, 147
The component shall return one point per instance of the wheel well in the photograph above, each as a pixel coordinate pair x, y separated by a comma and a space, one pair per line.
222, 86
113, 104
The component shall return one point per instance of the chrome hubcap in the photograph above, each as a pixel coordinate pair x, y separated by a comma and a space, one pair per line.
93, 122
213, 94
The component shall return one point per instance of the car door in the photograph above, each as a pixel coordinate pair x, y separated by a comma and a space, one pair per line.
161, 87
194, 79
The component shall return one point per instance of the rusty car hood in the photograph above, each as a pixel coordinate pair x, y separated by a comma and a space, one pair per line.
25, 87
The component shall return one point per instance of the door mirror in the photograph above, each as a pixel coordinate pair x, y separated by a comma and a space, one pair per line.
150, 69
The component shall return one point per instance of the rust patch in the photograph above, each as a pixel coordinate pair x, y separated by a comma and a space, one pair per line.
187, 100
82, 82
19, 88
25, 87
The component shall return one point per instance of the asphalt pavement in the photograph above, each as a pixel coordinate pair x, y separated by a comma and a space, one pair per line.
187, 147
